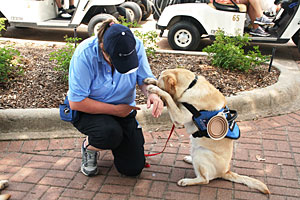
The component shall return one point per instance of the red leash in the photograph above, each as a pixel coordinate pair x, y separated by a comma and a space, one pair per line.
153, 154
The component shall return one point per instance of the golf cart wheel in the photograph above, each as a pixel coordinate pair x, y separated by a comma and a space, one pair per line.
125, 13
295, 37
146, 9
134, 10
96, 22
184, 35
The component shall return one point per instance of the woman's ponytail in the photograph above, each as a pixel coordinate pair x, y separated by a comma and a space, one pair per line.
106, 24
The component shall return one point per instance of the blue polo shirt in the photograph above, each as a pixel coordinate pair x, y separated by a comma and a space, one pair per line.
91, 76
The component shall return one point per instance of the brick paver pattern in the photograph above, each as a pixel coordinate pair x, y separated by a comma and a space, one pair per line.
269, 150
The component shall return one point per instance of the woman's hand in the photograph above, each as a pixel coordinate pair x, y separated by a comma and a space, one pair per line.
122, 110
158, 104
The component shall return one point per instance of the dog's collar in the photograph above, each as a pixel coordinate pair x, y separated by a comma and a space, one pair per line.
193, 82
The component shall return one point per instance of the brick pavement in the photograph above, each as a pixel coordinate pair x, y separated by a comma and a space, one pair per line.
50, 169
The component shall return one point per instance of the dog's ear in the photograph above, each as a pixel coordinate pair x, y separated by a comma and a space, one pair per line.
170, 83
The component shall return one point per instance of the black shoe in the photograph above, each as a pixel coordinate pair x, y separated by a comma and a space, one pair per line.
64, 14
71, 10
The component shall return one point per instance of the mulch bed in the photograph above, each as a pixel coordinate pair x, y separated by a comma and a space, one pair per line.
42, 87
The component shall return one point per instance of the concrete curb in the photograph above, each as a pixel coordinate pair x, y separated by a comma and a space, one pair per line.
277, 99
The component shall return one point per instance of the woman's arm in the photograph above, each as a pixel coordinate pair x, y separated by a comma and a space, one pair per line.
96, 107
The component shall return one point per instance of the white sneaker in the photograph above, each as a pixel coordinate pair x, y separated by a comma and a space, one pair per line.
66, 15
259, 32
89, 161
264, 20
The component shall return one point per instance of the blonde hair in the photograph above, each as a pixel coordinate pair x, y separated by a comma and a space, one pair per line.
106, 24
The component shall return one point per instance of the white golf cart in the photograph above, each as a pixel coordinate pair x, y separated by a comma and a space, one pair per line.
188, 22
44, 13
146, 7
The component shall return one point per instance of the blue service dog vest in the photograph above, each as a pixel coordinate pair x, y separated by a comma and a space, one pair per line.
202, 117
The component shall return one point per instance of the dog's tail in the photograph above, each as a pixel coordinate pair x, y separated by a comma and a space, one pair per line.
250, 182
4, 196
4, 184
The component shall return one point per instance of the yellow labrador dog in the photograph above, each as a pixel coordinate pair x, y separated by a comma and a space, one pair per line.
4, 184
210, 158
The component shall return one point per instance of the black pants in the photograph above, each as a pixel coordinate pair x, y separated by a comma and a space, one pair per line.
121, 135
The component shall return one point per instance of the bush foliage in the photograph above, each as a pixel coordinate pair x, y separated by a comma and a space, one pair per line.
9, 59
9, 68
64, 55
227, 52
149, 40
124, 22
2, 25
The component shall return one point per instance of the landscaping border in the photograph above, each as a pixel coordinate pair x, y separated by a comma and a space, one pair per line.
277, 99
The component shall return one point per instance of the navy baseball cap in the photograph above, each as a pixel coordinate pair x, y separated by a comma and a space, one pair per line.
119, 43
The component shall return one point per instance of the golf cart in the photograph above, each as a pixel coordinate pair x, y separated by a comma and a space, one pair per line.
44, 13
146, 7
187, 21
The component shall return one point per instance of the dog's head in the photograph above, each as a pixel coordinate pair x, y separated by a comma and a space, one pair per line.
202, 94
174, 81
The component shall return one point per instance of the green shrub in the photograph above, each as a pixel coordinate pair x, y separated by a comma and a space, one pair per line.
123, 21
9, 59
227, 52
64, 55
2, 25
149, 40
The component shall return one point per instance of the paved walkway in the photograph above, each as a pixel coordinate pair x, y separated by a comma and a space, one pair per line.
269, 150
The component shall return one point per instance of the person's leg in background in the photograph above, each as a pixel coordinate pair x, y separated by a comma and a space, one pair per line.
59, 6
71, 7
65, 13
257, 17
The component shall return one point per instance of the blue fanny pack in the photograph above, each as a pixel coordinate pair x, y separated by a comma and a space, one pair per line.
66, 113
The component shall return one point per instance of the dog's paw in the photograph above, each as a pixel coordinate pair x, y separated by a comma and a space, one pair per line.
153, 89
183, 182
150, 81
188, 159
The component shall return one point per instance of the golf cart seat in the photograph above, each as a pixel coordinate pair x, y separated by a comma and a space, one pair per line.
229, 7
